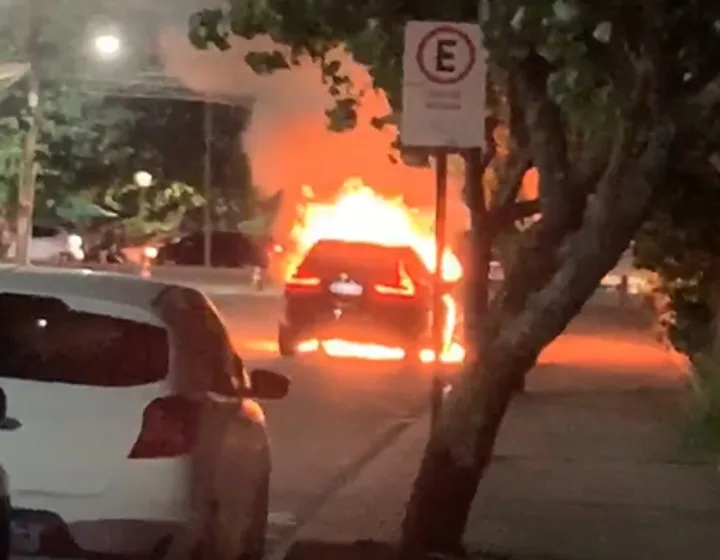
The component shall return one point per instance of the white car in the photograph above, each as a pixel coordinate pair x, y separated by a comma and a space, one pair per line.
130, 425
52, 244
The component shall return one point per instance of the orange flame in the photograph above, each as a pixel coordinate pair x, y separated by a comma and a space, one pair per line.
359, 213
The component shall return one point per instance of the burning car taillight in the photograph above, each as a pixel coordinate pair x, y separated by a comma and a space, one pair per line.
299, 281
405, 286
168, 429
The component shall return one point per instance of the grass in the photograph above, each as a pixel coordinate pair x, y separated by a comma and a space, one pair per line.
702, 433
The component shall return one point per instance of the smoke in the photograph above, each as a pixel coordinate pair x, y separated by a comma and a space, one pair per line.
288, 142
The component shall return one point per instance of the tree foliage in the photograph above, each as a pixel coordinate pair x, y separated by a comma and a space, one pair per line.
157, 209
168, 140
611, 102
680, 241
82, 139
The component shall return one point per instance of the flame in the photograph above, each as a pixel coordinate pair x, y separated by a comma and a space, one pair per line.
339, 348
358, 213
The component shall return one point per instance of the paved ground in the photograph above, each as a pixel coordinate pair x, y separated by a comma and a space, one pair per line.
339, 418
347, 439
588, 465
335, 415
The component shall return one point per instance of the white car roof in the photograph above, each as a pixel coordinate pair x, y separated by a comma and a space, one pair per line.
83, 283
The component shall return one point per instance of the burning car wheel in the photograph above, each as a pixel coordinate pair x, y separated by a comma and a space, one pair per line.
286, 342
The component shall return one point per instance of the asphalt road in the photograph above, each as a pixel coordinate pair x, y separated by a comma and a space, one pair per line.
339, 414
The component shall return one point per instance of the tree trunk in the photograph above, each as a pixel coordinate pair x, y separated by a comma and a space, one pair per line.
460, 448
445, 487
477, 284
439, 506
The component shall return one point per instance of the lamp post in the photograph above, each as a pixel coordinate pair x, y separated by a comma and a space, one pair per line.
107, 45
104, 46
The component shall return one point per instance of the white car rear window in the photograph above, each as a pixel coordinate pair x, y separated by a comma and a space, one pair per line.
46, 339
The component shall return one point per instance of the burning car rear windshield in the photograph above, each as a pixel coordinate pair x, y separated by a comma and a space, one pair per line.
365, 260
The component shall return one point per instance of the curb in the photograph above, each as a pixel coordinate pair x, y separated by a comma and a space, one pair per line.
385, 440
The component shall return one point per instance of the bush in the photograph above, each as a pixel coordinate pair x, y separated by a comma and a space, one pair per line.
704, 429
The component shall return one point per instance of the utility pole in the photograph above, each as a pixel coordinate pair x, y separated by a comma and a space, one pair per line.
207, 182
28, 167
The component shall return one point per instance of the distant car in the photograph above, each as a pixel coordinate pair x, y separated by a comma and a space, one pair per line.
359, 292
228, 249
130, 425
52, 245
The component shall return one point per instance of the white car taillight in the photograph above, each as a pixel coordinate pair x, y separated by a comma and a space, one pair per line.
169, 428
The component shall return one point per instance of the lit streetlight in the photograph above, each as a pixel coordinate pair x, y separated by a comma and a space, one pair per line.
143, 179
107, 45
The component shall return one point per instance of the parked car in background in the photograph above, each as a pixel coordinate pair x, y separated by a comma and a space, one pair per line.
229, 249
131, 426
52, 244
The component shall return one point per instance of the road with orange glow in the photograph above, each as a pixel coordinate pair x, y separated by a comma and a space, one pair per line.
340, 413
336, 411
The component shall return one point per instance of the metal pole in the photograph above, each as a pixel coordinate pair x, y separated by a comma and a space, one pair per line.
28, 167
207, 183
438, 385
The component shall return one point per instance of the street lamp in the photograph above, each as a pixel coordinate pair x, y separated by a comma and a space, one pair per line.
107, 45
143, 179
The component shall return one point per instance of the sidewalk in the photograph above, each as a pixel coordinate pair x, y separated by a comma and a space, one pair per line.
212, 281
588, 469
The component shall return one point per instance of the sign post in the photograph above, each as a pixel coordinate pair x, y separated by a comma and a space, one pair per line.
443, 109
438, 314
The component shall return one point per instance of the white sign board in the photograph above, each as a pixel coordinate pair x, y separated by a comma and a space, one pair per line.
444, 70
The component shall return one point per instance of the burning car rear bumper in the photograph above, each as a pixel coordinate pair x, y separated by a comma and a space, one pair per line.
364, 330
401, 326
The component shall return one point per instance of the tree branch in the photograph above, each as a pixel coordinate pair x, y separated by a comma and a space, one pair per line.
545, 128
706, 101
510, 180
508, 214
560, 203
709, 70
484, 393
615, 55
653, 33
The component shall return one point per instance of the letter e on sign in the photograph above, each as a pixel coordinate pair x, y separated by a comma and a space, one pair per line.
446, 55
443, 85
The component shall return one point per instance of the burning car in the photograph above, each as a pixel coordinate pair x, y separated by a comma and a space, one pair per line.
362, 286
